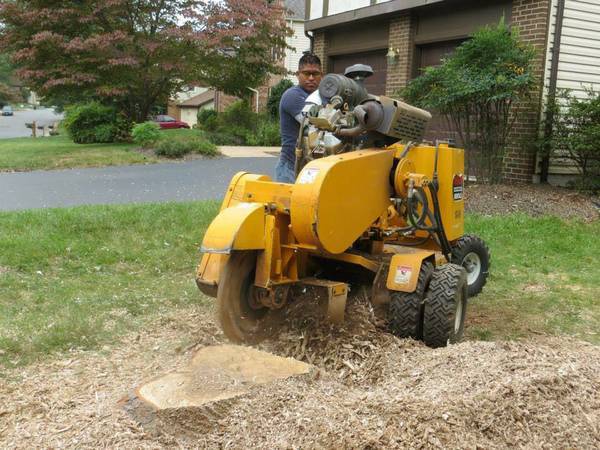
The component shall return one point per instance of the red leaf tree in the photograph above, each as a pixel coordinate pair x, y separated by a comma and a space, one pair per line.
135, 54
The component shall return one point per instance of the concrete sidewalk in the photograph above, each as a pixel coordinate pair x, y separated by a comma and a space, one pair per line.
249, 152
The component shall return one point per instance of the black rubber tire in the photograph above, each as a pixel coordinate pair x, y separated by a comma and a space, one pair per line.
239, 322
445, 306
405, 311
461, 254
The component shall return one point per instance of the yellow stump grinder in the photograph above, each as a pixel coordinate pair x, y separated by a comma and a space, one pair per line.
371, 202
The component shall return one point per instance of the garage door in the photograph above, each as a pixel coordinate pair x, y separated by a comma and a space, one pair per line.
376, 59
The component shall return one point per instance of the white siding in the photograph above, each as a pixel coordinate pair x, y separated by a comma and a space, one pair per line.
316, 9
300, 43
579, 62
340, 6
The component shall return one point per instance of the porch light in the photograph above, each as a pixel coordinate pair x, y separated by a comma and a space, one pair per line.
392, 56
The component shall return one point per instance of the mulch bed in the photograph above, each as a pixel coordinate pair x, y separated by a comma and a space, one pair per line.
531, 199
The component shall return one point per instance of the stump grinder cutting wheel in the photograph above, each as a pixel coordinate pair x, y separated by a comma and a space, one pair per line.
368, 195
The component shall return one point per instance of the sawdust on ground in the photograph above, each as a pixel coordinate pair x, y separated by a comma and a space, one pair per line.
369, 390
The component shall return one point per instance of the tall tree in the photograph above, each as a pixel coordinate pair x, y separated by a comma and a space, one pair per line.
241, 43
8, 93
136, 53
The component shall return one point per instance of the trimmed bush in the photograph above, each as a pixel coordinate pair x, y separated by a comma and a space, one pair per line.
146, 134
176, 148
206, 148
207, 119
267, 133
238, 114
96, 123
238, 125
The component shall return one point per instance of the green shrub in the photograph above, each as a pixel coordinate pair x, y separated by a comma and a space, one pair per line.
240, 114
206, 148
231, 135
267, 133
478, 89
576, 134
207, 119
96, 123
275, 97
238, 125
146, 134
176, 148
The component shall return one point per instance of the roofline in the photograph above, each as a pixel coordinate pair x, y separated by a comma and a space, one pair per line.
380, 9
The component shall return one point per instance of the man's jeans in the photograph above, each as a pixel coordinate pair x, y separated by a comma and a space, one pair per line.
284, 171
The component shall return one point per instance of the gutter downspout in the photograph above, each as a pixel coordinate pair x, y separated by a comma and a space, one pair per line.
256, 92
312, 40
560, 14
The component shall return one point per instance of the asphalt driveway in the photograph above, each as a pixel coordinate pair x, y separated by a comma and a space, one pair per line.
194, 180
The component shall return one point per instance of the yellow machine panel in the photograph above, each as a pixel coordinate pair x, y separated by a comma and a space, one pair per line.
211, 264
335, 199
450, 167
404, 269
241, 227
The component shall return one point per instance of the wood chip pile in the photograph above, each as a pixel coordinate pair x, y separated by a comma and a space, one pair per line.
370, 390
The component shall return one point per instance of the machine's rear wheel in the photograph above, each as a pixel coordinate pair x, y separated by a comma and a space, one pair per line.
445, 306
406, 308
471, 252
238, 314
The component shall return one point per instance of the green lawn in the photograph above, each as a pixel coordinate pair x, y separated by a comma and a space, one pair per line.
545, 278
78, 277
59, 152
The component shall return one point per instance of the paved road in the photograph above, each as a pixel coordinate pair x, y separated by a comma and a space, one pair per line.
194, 180
14, 126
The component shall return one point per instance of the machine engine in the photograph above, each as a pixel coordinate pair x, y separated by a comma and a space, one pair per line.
352, 119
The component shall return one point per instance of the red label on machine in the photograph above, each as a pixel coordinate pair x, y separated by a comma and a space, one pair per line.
458, 187
402, 275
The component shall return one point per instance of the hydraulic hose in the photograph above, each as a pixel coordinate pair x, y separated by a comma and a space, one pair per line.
433, 188
438, 218
415, 218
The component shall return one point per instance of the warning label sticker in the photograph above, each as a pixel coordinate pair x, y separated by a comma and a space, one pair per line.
308, 176
458, 184
402, 275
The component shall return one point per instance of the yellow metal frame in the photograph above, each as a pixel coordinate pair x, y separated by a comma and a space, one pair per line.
335, 201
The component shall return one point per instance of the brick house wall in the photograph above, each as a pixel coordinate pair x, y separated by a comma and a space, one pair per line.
531, 17
401, 39
320, 48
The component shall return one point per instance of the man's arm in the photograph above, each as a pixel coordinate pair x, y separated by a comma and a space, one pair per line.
292, 102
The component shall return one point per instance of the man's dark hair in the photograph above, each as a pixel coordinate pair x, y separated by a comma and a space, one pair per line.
309, 58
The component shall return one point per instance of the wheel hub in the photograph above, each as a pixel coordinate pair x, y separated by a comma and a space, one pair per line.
458, 314
472, 264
